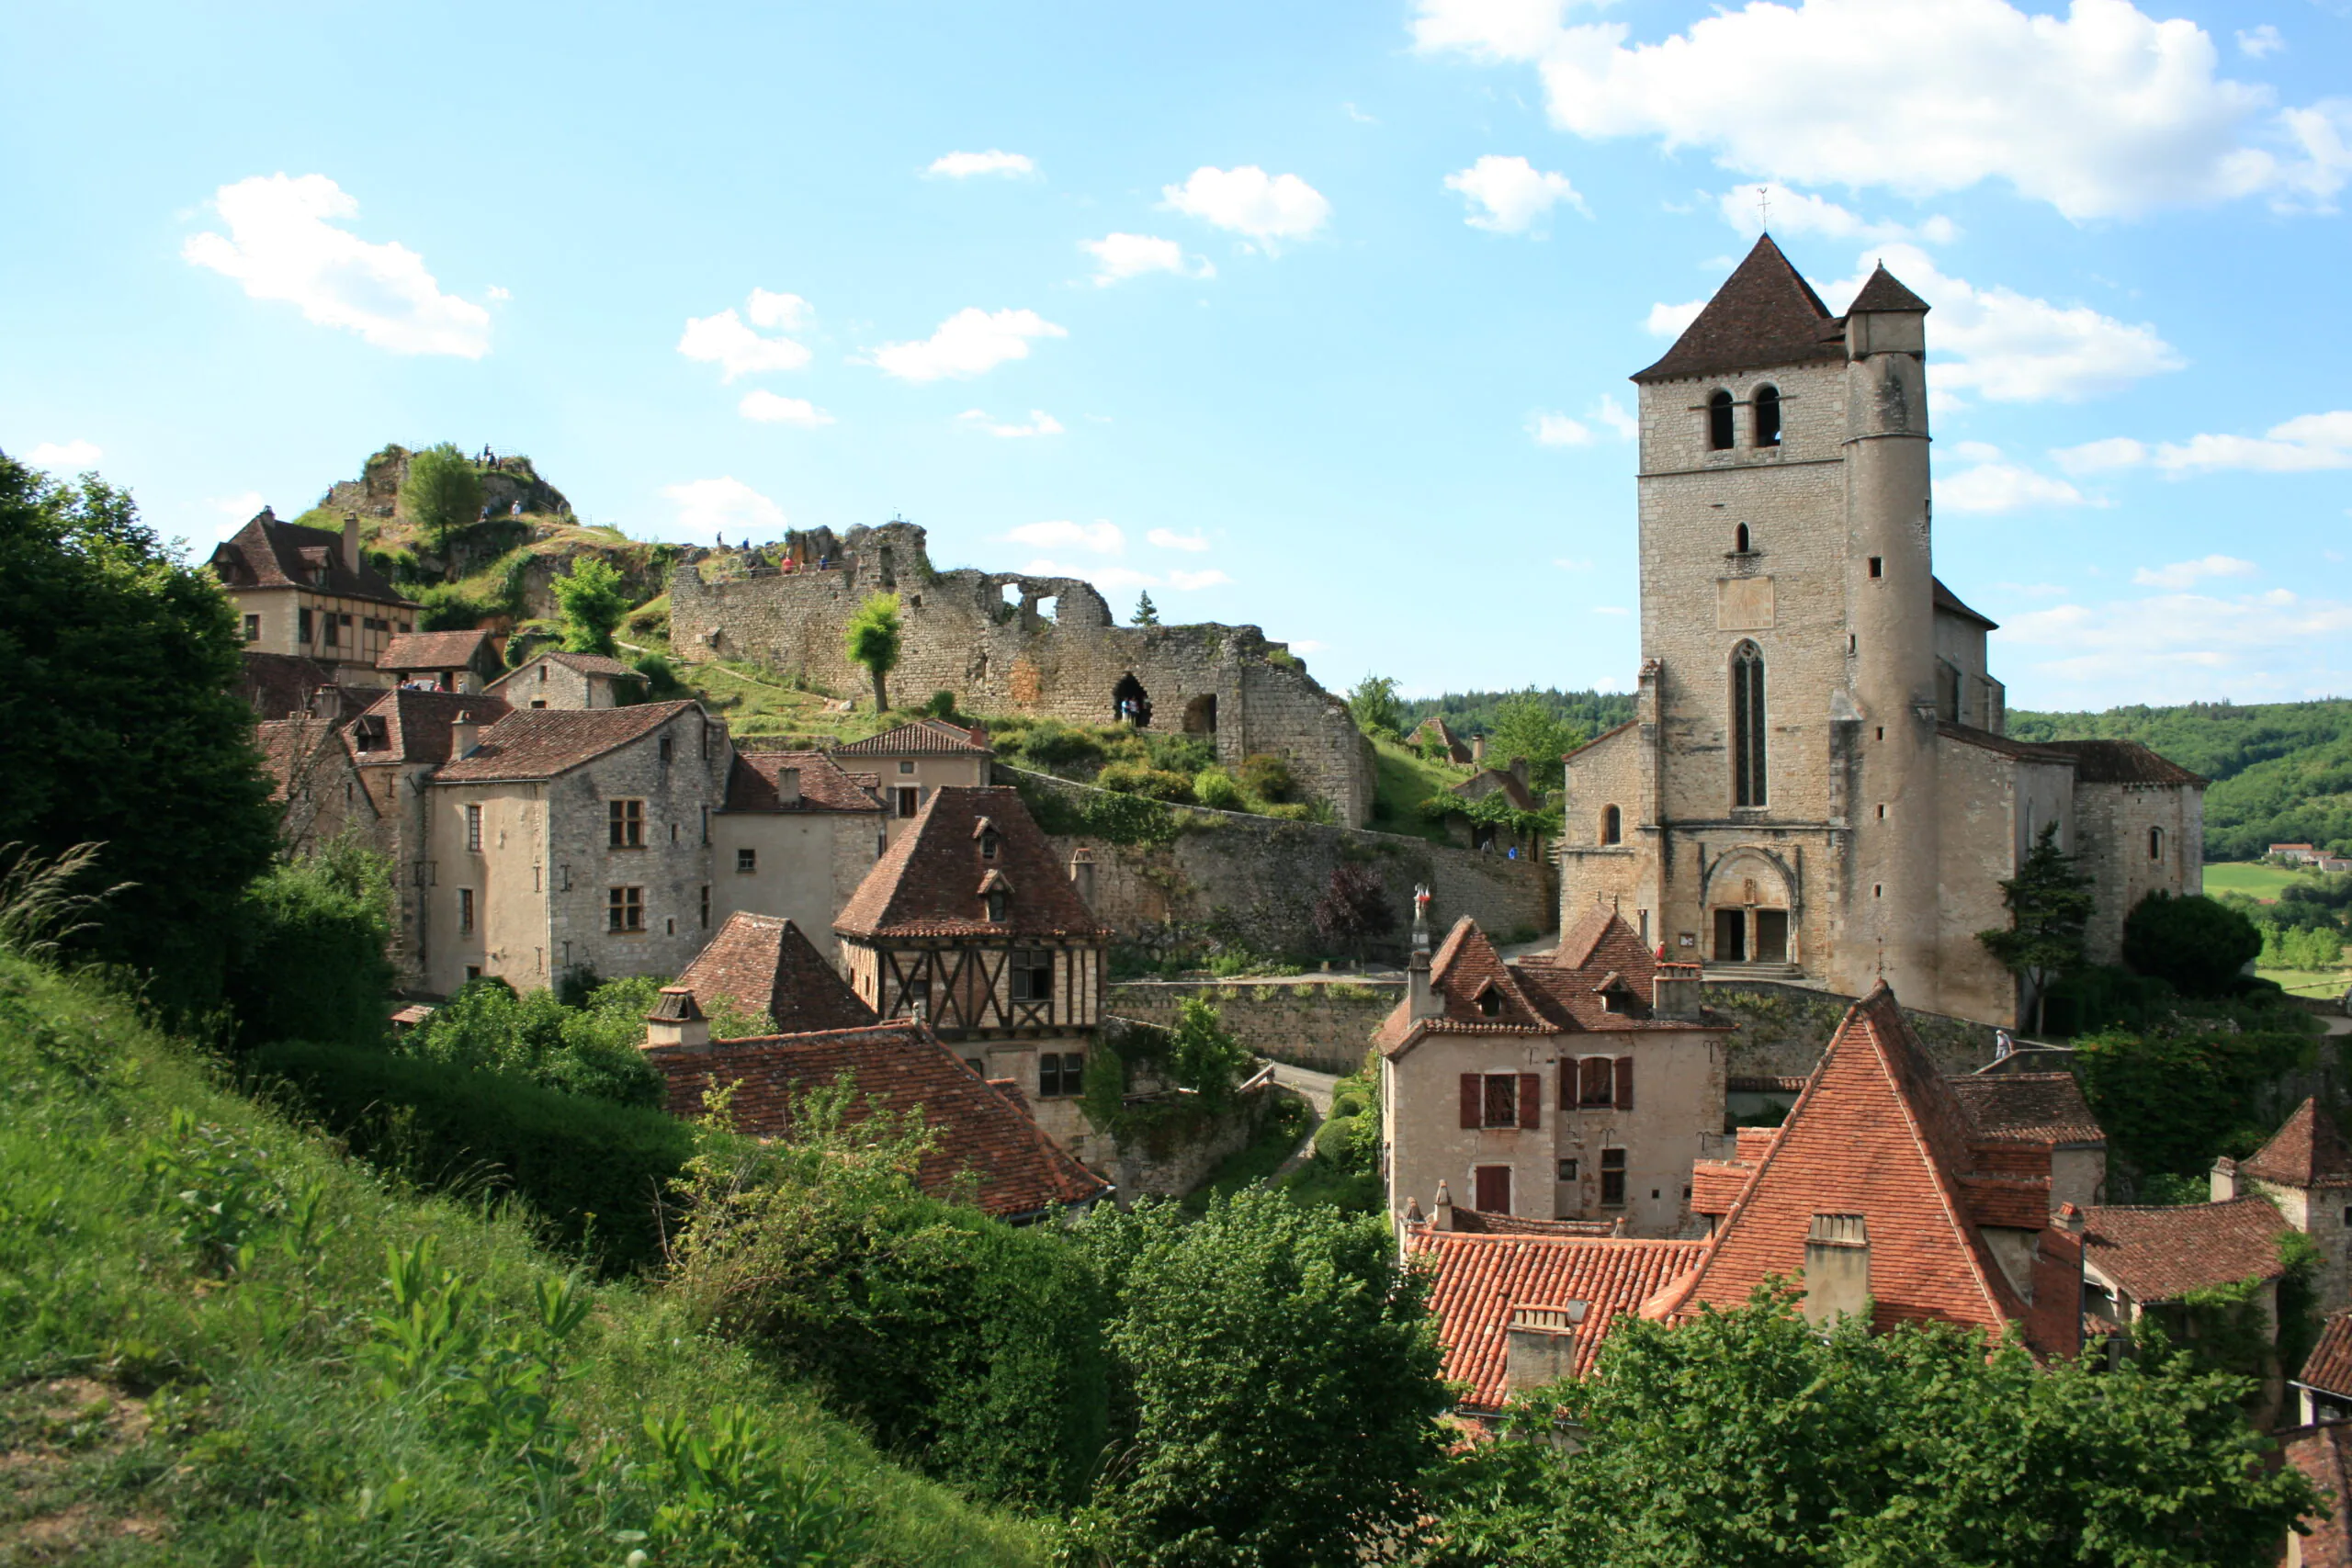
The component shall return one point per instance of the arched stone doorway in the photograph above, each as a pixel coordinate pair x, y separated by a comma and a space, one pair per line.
1130, 704
1750, 898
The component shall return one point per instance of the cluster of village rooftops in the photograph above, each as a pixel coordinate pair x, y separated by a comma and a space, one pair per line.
1816, 789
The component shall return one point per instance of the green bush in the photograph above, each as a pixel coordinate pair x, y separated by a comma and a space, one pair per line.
591, 1048
1268, 777
1347, 1102
1333, 1138
1177, 752
2198, 945
662, 683
595, 1172
307, 960
444, 607
1136, 778
2171, 1101
1296, 811
1216, 788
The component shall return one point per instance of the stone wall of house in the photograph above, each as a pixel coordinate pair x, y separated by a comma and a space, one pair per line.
1171, 877
1004, 642
2112, 823
1322, 1023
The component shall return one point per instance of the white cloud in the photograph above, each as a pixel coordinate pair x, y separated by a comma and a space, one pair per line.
1994, 485
1040, 424
1118, 257
1613, 413
769, 408
1168, 539
2184, 648
2104, 112
1557, 430
724, 506
1357, 114
1512, 193
1797, 212
969, 343
1189, 581
281, 245
723, 340
1671, 320
2189, 573
2259, 41
1306, 644
1249, 201
2307, 443
963, 165
241, 508
496, 294
74, 457
1101, 537
2099, 457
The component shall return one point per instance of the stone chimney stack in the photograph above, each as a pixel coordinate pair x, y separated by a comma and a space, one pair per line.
464, 736
2224, 1179
676, 1019
1478, 750
1425, 1003
1675, 991
787, 786
1081, 874
1541, 1345
351, 541
1836, 1268
1442, 1215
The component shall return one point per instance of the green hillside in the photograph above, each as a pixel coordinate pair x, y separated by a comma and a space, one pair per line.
1474, 713
2281, 771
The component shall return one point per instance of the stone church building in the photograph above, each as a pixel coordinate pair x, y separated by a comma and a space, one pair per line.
1817, 785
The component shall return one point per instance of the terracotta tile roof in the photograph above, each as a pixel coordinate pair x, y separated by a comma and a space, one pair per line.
1765, 314
2041, 1107
2329, 1365
1880, 1133
1753, 1083
585, 664
414, 726
433, 650
1479, 1281
1556, 994
2324, 1454
928, 883
1881, 292
267, 553
291, 746
1486, 781
1948, 602
2121, 762
277, 684
1019, 1171
2309, 1151
1716, 1184
765, 965
924, 737
539, 743
1434, 731
753, 783
2161, 1254
1475, 1222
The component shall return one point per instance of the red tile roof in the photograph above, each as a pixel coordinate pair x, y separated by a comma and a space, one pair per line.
1559, 993
924, 737
414, 726
2309, 1151
765, 965
433, 650
1881, 292
291, 748
2039, 1108
1479, 1281
2162, 1254
928, 883
1434, 731
2329, 1365
2324, 1454
1017, 1169
267, 553
1486, 781
753, 783
2094, 761
1764, 315
277, 684
539, 743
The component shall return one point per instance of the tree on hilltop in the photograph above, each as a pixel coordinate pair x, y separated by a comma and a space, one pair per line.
441, 495
1147, 612
875, 639
593, 599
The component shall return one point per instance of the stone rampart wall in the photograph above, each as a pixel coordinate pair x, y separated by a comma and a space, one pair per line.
1323, 1025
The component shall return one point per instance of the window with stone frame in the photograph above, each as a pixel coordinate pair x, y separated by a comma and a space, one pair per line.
473, 828
1721, 434
1596, 1082
625, 824
465, 911
625, 910
747, 860
1766, 408
253, 628
1060, 1074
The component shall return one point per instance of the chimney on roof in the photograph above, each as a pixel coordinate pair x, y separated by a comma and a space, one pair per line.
676, 1019
787, 786
1423, 1002
1478, 750
1674, 993
463, 736
2224, 1179
1836, 1268
1441, 1214
1541, 1345
1081, 874
351, 542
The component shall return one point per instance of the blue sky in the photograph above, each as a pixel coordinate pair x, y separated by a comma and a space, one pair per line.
1314, 316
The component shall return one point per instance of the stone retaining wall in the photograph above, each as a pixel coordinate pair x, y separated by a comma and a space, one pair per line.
1323, 1025
1784, 1029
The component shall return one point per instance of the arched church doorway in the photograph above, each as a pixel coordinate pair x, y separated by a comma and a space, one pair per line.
1748, 899
1130, 704
1199, 715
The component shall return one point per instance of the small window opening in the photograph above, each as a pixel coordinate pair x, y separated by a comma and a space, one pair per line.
1612, 1178
1882, 813
1878, 566
989, 841
1768, 416
747, 860
1567, 1170
997, 904
1501, 1100
1612, 825
1490, 1003
666, 748
1739, 545
1719, 422
2155, 844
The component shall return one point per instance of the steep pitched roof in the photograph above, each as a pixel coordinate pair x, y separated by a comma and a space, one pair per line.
754, 783
1480, 1281
1878, 1133
1765, 314
1949, 602
277, 684
929, 883
2309, 1151
764, 964
414, 726
2162, 1254
924, 737
2324, 1454
2039, 1108
1018, 1169
1561, 993
291, 748
2329, 1365
2121, 762
1435, 731
433, 650
1881, 292
267, 553
1486, 781
539, 743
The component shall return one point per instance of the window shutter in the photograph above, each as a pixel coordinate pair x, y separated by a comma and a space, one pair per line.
1530, 1099
1624, 1083
1472, 1100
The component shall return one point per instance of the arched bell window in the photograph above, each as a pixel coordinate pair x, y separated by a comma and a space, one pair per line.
1768, 416
1747, 725
1720, 437
1612, 825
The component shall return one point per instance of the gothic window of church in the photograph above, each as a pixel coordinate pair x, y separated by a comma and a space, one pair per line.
1719, 422
1747, 725
1768, 416
1612, 825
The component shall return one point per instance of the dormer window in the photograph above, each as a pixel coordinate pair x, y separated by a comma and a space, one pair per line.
1720, 434
1490, 1002
989, 841
1768, 416
999, 904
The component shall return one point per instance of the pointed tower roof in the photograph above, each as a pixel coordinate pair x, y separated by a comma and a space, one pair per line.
930, 882
2309, 1151
1884, 293
767, 964
1764, 314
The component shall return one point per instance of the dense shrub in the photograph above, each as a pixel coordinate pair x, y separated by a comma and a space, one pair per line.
2196, 945
591, 1170
594, 1049
2104, 996
1214, 787
1268, 776
2173, 1101
1137, 778
1050, 743
307, 961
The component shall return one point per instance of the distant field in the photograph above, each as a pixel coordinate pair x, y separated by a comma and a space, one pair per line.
2310, 983
2255, 877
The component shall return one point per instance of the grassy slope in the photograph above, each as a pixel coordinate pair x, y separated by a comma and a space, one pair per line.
1401, 781
2252, 877
156, 1414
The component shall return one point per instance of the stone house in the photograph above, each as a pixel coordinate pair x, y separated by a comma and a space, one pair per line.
1817, 786
1580, 1085
1495, 839
282, 685
574, 681
914, 760
2142, 1261
446, 661
309, 594
2324, 1386
395, 744
794, 837
1434, 732
969, 924
316, 785
2306, 1170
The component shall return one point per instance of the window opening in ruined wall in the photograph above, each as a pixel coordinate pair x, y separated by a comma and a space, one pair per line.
1747, 725
1199, 715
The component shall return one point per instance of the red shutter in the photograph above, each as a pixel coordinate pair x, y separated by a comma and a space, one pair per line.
1472, 1100
1530, 1099
1568, 1066
1624, 1083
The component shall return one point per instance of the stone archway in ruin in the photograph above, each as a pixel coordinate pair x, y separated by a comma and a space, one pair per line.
1130, 704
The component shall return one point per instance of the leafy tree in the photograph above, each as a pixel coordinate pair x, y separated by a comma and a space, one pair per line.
1746, 1437
442, 495
308, 958
1526, 725
2197, 944
1147, 612
2172, 1099
2050, 908
1268, 776
1276, 1387
1203, 1055
1373, 703
1354, 911
119, 665
593, 599
875, 639
592, 1049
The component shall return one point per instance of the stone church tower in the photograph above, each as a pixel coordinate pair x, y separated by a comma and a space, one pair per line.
1817, 786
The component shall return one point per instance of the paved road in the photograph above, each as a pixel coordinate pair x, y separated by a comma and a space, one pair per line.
1315, 1087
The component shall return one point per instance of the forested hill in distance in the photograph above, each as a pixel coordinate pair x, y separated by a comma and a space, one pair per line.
1474, 713
2281, 771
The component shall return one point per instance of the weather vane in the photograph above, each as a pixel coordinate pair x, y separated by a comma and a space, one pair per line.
1764, 206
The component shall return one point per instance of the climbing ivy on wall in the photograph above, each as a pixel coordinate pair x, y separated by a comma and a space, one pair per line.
1098, 814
